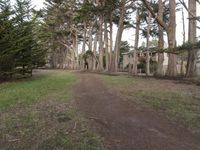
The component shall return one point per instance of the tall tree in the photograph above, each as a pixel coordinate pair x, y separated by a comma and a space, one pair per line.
160, 71
20, 51
192, 54
6, 44
171, 34
147, 46
115, 60
137, 31
171, 31
24, 36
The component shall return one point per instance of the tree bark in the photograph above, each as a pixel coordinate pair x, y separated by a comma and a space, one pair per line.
192, 54
147, 53
172, 68
94, 53
77, 55
171, 33
84, 46
182, 54
160, 71
74, 49
135, 55
90, 38
119, 35
106, 45
100, 66
111, 42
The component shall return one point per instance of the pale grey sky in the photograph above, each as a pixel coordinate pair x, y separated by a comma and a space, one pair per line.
38, 3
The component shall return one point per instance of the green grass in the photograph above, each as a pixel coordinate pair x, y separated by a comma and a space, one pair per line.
38, 113
183, 105
178, 104
31, 90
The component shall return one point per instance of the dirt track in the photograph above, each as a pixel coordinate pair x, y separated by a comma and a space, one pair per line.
125, 127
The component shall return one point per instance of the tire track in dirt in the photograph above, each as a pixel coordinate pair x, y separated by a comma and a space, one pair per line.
125, 127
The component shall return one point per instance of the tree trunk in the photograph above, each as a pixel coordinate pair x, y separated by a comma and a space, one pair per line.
74, 49
77, 55
147, 53
89, 60
182, 54
135, 55
90, 38
100, 66
192, 54
90, 63
94, 53
171, 32
119, 35
160, 71
84, 45
111, 42
106, 45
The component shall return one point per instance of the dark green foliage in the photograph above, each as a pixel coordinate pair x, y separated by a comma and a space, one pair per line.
86, 12
153, 66
116, 14
142, 65
19, 50
88, 54
6, 27
152, 44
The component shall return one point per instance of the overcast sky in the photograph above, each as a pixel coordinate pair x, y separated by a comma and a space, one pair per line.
38, 3
129, 34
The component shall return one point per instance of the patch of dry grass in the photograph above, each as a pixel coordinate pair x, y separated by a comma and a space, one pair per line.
177, 100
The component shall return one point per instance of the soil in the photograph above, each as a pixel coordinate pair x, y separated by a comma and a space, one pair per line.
126, 127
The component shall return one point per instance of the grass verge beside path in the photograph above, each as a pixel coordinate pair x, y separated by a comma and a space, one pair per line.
38, 113
28, 91
178, 101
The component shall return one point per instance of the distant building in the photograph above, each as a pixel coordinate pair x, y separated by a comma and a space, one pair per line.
128, 58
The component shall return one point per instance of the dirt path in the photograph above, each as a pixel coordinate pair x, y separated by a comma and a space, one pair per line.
125, 127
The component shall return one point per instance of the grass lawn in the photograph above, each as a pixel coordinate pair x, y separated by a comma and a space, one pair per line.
37, 113
177, 100
50, 84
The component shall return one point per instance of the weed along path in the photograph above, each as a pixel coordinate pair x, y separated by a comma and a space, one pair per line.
126, 127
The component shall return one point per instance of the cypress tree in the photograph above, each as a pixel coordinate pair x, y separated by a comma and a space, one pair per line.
6, 44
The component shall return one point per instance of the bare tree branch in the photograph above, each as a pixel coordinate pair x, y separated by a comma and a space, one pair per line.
68, 47
198, 1
160, 22
185, 6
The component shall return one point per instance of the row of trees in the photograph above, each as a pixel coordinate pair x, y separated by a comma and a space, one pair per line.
89, 24
170, 29
19, 48
78, 34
